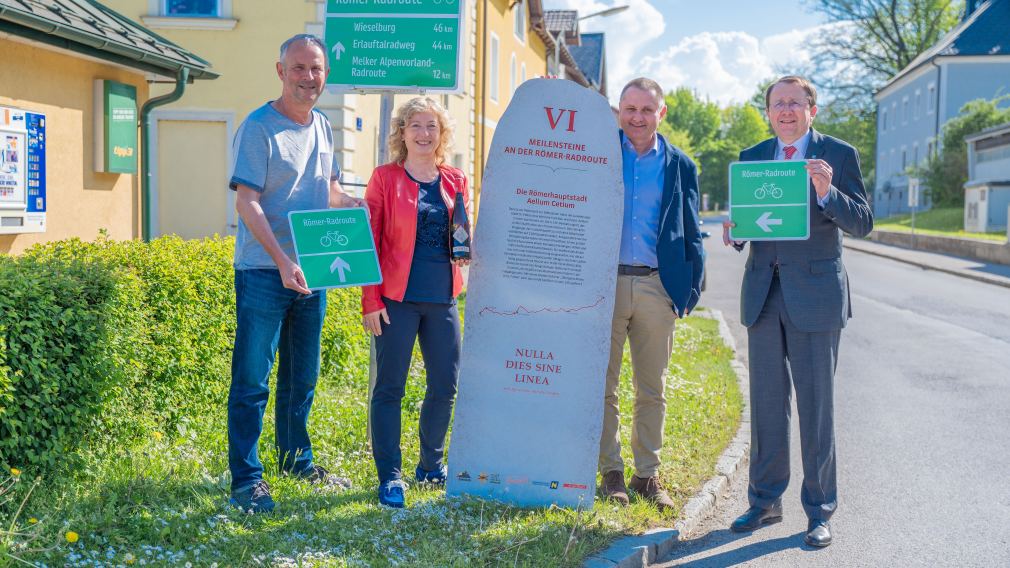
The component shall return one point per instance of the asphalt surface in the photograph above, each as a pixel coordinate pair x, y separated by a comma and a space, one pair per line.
922, 426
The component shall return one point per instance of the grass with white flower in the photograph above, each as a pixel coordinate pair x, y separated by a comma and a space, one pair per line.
164, 503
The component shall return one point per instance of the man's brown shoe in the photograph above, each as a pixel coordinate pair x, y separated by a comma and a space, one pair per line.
613, 487
650, 488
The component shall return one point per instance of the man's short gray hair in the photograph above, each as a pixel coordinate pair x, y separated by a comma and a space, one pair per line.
307, 38
645, 84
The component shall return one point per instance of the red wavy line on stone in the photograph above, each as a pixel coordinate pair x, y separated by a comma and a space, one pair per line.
526, 311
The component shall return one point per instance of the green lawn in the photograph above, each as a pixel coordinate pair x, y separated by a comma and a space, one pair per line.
947, 222
164, 503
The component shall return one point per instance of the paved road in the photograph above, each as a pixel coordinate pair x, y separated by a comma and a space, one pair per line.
922, 427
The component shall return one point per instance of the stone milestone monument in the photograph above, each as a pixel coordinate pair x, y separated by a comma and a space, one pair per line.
539, 303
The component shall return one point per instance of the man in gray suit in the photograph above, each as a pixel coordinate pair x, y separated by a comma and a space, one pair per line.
795, 302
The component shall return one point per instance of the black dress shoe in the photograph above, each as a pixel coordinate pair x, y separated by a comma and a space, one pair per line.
818, 534
755, 517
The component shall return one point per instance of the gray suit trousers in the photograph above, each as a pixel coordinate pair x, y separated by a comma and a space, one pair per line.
783, 358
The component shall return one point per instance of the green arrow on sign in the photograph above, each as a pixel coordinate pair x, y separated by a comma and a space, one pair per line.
769, 201
335, 247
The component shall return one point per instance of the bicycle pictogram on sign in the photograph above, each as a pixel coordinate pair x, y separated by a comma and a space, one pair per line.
767, 189
333, 237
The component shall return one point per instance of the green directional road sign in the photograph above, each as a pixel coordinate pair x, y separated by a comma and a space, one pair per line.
335, 247
394, 44
769, 201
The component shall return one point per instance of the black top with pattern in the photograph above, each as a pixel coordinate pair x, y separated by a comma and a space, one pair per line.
430, 277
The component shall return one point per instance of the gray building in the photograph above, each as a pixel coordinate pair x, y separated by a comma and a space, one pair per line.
971, 62
987, 192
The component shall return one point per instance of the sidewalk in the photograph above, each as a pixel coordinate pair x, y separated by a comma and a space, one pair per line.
997, 274
641, 551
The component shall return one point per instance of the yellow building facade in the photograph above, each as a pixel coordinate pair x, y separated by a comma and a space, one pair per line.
191, 139
52, 70
509, 51
80, 201
242, 39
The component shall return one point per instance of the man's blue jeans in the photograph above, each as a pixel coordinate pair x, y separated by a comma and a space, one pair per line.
271, 317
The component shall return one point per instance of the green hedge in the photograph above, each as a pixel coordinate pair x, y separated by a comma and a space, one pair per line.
103, 342
6, 388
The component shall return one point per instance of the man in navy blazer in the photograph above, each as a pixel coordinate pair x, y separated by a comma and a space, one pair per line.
659, 280
795, 302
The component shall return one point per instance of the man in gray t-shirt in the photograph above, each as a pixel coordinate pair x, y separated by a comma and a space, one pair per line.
284, 162
290, 166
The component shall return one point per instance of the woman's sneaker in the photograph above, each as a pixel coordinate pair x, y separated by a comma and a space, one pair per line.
253, 499
391, 494
434, 477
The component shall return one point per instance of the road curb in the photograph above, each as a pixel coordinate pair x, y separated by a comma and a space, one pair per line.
642, 550
848, 243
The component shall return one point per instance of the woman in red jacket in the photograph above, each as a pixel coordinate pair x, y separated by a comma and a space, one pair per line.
410, 201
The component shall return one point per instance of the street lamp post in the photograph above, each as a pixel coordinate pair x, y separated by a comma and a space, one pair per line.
607, 12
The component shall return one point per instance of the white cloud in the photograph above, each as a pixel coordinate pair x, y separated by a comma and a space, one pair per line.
627, 33
724, 66
727, 67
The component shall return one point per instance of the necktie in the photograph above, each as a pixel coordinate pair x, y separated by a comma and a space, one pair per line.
789, 151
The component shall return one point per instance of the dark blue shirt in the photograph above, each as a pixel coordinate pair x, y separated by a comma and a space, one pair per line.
430, 277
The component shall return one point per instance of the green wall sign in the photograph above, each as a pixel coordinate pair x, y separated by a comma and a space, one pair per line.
335, 247
118, 134
405, 45
769, 201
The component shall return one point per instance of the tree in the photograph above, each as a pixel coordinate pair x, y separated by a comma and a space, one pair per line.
856, 126
872, 40
679, 138
946, 174
712, 136
757, 100
745, 125
742, 127
700, 119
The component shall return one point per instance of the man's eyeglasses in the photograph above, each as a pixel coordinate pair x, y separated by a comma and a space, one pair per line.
791, 105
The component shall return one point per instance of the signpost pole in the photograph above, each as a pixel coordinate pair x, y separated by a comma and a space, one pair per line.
913, 225
385, 120
379, 47
913, 202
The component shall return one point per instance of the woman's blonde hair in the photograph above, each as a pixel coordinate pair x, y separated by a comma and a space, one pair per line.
397, 147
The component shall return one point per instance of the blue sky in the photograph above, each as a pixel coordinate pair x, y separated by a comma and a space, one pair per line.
720, 48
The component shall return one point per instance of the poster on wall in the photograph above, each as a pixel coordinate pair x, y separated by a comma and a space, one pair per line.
22, 171
13, 165
116, 135
540, 301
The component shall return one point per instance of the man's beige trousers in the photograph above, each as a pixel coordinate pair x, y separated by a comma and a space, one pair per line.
643, 313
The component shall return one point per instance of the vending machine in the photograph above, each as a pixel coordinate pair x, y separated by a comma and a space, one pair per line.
22, 171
